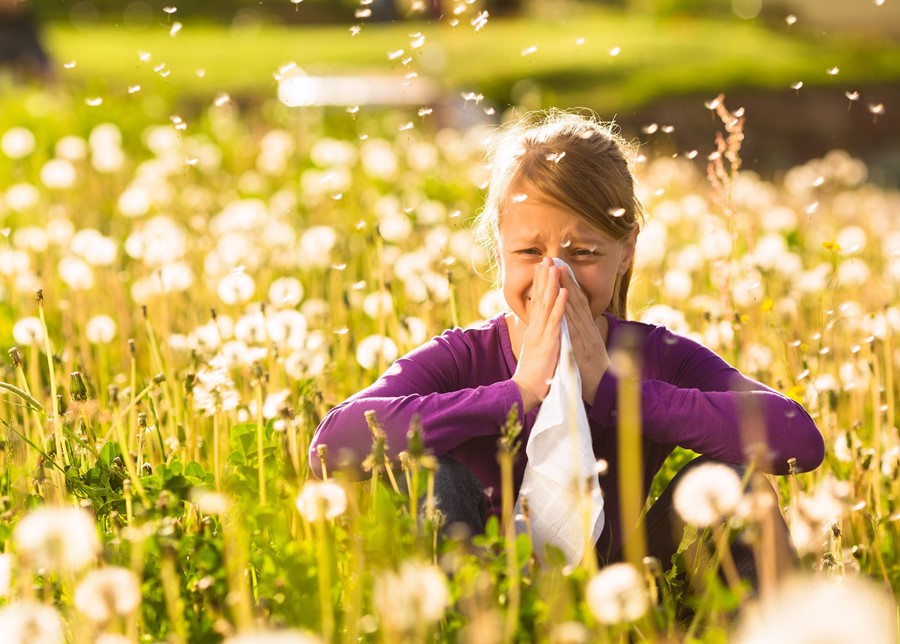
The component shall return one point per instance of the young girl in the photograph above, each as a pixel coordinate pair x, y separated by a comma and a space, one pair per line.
561, 188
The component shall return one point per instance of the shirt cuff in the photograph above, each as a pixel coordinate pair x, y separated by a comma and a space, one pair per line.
604, 410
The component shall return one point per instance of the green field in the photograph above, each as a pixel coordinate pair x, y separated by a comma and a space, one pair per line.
657, 57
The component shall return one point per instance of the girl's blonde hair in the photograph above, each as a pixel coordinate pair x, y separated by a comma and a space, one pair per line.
573, 160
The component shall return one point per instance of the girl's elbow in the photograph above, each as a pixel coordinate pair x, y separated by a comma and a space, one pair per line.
813, 451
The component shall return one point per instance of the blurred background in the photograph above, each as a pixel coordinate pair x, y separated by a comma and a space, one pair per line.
813, 75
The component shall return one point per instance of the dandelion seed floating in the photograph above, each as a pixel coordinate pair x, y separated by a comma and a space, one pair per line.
579, 41
69, 65
796, 86
616, 212
472, 96
170, 10
201, 73
355, 29
417, 40
133, 89
667, 129
490, 111
425, 111
556, 157
692, 154
713, 104
813, 207
479, 21
144, 56
615, 51
650, 129
529, 50
818, 181
394, 55
877, 109
833, 71
363, 13
791, 20
519, 198
94, 102
176, 27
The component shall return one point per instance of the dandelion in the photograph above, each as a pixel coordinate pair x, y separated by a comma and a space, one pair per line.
76, 273
707, 493
615, 51
288, 636
28, 622
287, 328
321, 499
808, 610
106, 593
791, 20
58, 174
617, 594
209, 502
28, 331
286, 292
373, 346
417, 593
6, 562
214, 390
236, 288
17, 143
57, 538
21, 197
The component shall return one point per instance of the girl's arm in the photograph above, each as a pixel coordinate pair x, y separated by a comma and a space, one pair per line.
696, 400
431, 382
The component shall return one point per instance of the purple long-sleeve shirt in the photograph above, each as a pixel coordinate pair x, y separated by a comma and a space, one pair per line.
460, 386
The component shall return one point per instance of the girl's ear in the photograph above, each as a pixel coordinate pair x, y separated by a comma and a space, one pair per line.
629, 244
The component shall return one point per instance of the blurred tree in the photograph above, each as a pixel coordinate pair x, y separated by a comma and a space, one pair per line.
20, 43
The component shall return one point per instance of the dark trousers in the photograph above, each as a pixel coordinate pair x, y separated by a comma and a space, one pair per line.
460, 497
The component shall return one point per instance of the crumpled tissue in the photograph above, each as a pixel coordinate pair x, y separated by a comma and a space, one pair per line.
560, 483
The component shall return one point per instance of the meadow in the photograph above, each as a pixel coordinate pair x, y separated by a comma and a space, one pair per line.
184, 293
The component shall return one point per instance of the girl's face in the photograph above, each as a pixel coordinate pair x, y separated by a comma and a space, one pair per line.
533, 229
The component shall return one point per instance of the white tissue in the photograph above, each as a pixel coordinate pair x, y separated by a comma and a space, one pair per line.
560, 477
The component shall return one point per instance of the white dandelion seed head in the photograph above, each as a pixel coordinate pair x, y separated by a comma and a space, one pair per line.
287, 636
810, 610
707, 493
105, 135
107, 592
17, 142
76, 273
21, 197
378, 305
369, 349
236, 288
678, 284
492, 303
853, 272
33, 238
57, 538
287, 328
100, 329
316, 244
617, 594
6, 562
209, 502
107, 160
286, 292
321, 499
28, 331
378, 159
94, 247
71, 148
418, 592
28, 622
58, 174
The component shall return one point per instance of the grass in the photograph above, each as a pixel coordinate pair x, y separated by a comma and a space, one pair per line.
658, 57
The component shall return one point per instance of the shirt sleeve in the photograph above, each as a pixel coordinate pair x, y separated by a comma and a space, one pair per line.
430, 382
698, 401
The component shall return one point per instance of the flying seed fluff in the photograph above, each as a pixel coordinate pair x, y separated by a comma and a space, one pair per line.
573, 160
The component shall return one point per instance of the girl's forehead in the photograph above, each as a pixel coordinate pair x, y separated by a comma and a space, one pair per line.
537, 220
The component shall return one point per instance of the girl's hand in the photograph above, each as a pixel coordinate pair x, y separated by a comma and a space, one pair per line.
540, 343
587, 340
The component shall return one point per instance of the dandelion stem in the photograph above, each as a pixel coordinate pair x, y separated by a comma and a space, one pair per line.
630, 478
324, 577
260, 444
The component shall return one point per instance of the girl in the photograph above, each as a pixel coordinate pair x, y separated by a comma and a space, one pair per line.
561, 188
